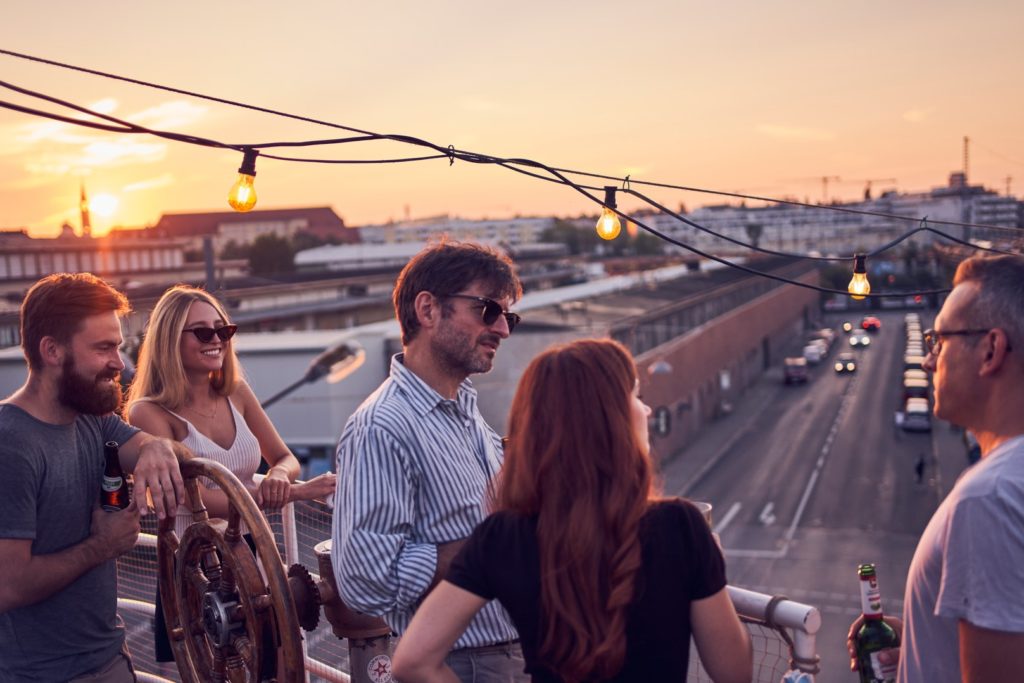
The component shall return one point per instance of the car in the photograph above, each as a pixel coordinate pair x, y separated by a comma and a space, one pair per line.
860, 339
917, 418
870, 323
812, 353
845, 362
915, 388
847, 326
826, 334
916, 415
794, 370
913, 362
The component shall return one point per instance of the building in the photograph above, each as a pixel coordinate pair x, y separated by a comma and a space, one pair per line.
243, 228
844, 229
512, 232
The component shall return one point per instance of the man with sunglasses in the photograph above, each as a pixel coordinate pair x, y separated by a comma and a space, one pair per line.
58, 580
416, 460
963, 614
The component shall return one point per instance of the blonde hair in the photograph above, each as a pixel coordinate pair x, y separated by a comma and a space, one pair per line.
160, 374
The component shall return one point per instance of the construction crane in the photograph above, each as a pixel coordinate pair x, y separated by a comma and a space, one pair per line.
867, 184
824, 186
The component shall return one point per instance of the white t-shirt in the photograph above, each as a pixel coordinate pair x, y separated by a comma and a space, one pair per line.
969, 564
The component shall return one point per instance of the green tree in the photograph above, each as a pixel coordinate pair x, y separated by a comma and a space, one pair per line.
307, 240
754, 231
234, 250
646, 244
271, 255
579, 240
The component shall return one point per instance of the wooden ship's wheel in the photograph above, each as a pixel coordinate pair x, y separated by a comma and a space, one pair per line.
231, 615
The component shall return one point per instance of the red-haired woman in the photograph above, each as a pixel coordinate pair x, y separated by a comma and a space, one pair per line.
603, 581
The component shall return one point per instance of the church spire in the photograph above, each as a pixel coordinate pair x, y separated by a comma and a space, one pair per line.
83, 206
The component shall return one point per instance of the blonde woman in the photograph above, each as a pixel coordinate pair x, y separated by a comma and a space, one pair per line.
188, 387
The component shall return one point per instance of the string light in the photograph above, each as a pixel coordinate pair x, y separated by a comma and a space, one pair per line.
859, 285
608, 226
611, 227
242, 196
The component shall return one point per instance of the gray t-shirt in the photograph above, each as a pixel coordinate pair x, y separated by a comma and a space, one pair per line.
50, 478
969, 564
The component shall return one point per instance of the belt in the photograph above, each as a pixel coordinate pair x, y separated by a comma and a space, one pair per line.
495, 647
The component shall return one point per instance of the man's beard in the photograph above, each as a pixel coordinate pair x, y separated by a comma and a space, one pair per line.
89, 396
457, 351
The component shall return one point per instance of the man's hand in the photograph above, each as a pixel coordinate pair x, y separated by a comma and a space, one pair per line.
157, 472
115, 533
889, 656
320, 487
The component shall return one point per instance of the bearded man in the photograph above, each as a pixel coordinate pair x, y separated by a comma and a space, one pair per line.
58, 578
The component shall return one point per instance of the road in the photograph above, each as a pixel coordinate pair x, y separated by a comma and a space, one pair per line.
815, 479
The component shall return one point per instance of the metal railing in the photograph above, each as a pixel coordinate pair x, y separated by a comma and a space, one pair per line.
783, 631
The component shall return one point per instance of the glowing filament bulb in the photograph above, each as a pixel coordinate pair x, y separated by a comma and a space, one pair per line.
859, 285
608, 226
242, 196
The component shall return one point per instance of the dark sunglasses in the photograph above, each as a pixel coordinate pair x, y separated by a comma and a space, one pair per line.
491, 310
205, 334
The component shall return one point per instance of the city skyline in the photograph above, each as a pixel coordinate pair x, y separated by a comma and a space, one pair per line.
766, 101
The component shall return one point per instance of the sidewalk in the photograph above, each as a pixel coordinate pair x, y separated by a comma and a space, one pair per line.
682, 470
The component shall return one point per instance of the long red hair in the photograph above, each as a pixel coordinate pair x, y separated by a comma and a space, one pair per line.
575, 462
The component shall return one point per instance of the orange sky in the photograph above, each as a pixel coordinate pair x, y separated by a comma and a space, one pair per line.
758, 97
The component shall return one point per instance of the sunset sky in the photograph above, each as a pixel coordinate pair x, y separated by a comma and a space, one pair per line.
757, 97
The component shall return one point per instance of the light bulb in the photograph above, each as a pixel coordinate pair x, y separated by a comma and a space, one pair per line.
608, 226
859, 285
242, 196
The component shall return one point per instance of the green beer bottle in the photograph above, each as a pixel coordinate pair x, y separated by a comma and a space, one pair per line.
875, 635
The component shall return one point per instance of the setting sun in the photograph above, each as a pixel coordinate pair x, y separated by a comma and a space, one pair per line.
103, 205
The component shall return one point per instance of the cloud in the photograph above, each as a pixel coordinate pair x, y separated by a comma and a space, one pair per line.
150, 184
169, 116
795, 133
53, 148
917, 115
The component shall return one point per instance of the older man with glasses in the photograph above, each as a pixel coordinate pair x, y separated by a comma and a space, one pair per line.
963, 611
416, 460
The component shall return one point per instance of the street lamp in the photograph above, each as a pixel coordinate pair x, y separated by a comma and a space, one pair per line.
336, 363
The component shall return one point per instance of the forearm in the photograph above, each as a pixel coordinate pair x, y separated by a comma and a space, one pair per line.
41, 576
380, 573
130, 457
288, 465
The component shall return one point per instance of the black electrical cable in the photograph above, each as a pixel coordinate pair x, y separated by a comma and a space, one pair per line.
451, 153
399, 138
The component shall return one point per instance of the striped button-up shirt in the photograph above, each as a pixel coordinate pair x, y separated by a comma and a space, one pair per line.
414, 471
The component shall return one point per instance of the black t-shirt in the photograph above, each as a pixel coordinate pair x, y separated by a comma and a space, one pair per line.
681, 563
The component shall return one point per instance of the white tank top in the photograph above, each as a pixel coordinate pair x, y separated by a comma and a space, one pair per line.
242, 458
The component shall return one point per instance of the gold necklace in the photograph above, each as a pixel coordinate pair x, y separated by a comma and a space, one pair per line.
208, 416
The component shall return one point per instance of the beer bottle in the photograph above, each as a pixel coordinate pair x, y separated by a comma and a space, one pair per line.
875, 635
114, 492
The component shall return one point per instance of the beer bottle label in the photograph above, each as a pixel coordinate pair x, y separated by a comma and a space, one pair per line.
882, 671
111, 484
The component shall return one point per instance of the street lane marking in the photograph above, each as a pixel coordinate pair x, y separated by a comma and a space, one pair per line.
766, 517
728, 517
787, 538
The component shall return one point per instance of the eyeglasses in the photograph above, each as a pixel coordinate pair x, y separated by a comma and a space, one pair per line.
933, 338
491, 310
205, 334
